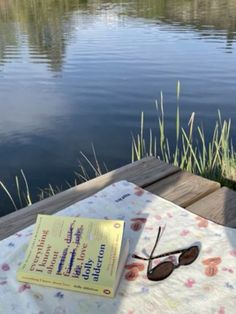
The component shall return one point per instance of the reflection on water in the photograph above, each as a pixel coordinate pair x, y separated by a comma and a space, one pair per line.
75, 72
49, 24
45, 25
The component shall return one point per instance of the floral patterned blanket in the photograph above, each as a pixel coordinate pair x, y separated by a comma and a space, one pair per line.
206, 286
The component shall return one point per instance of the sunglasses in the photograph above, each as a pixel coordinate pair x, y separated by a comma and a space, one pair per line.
164, 269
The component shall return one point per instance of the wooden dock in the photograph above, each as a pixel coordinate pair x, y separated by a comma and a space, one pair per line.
198, 195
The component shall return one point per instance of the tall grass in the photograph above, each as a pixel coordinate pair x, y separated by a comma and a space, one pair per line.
22, 191
87, 169
214, 159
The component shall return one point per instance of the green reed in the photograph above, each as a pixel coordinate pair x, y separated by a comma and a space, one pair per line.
87, 169
22, 191
214, 159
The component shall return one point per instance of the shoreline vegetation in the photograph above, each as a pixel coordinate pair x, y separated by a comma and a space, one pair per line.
214, 159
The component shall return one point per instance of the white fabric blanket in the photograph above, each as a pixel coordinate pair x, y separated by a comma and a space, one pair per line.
206, 286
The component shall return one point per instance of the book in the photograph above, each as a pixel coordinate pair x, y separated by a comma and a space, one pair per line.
75, 253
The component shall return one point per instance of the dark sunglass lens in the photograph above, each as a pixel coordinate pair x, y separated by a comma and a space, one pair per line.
189, 256
161, 271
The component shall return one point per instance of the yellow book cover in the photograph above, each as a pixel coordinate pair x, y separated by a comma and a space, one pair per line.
75, 253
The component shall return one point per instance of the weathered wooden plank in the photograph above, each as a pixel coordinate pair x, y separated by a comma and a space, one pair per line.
183, 188
142, 173
219, 207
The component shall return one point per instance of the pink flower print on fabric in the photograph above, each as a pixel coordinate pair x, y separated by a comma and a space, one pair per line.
184, 233
211, 265
138, 191
142, 220
221, 310
156, 261
171, 258
233, 253
134, 269
136, 226
132, 274
5, 267
189, 283
24, 287
137, 223
140, 266
202, 222
169, 215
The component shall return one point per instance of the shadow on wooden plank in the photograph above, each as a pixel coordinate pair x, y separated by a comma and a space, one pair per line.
219, 207
183, 188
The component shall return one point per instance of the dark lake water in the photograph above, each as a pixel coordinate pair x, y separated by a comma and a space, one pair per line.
75, 72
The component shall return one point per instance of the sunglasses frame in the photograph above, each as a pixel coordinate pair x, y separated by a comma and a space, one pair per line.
151, 258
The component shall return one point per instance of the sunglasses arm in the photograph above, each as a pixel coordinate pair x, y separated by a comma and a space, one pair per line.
139, 257
169, 253
151, 255
150, 258
158, 256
